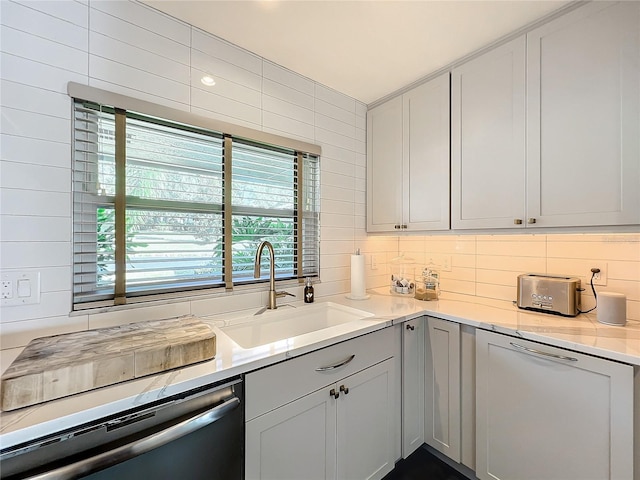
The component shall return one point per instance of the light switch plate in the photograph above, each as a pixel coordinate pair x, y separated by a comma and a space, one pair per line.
28, 294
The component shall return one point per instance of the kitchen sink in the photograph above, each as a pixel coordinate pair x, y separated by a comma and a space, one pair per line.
287, 322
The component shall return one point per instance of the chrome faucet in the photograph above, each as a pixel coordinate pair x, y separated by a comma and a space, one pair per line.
272, 282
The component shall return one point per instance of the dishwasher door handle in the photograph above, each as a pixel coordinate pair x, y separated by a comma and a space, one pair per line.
144, 445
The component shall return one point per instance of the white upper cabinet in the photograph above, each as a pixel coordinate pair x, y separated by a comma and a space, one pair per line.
384, 166
426, 155
408, 160
583, 117
487, 139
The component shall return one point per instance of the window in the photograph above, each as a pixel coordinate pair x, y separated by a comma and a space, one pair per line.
162, 207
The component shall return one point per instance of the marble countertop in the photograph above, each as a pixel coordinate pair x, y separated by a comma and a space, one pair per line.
583, 334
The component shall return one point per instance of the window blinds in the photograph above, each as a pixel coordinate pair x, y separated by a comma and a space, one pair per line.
174, 207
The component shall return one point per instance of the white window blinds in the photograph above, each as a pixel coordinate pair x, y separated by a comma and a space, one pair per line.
166, 184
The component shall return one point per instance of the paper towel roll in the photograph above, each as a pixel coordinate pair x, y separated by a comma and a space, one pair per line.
358, 281
612, 308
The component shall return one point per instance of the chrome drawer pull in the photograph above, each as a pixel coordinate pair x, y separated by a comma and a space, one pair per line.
337, 365
546, 354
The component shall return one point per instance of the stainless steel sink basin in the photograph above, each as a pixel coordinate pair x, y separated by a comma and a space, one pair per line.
286, 322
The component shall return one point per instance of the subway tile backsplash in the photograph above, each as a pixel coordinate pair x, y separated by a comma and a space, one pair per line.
129, 48
487, 266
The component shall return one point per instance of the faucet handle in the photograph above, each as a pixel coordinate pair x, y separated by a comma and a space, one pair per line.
284, 294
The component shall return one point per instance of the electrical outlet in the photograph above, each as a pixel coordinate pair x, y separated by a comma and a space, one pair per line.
374, 262
440, 262
446, 263
6, 289
599, 278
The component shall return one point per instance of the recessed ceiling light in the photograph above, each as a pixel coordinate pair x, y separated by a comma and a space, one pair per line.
208, 81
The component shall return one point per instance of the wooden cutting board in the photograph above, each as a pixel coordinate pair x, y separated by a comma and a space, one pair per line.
61, 365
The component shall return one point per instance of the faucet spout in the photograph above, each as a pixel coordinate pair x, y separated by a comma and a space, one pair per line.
256, 271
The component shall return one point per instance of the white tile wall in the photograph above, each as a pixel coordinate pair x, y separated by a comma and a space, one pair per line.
131, 49
128, 48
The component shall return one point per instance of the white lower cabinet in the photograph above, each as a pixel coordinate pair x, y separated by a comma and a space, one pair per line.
413, 349
548, 413
342, 430
442, 387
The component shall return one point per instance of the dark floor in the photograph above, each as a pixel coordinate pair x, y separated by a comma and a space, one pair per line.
421, 465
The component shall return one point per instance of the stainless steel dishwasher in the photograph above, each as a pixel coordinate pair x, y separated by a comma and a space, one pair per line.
195, 435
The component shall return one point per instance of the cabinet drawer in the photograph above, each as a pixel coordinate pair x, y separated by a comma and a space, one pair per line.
274, 386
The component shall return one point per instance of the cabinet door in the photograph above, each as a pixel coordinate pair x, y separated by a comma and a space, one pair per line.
413, 343
384, 167
442, 387
487, 139
426, 155
583, 117
365, 423
544, 412
295, 441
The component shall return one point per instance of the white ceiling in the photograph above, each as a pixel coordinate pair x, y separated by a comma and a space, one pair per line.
366, 49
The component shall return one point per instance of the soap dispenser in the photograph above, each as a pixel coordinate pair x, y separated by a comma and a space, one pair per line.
308, 292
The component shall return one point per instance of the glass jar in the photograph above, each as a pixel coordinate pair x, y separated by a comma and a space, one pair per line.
402, 276
428, 285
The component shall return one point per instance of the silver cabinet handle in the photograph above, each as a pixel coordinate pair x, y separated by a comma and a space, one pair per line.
144, 445
540, 352
517, 221
531, 221
337, 365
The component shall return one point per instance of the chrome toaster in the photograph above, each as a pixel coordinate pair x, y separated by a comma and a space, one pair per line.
549, 294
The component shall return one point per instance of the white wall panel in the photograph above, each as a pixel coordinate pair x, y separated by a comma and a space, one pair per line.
226, 88
332, 206
337, 180
286, 126
220, 69
223, 50
113, 72
327, 137
291, 95
70, 11
225, 118
333, 125
22, 70
336, 220
339, 154
29, 46
26, 19
337, 193
287, 109
288, 78
337, 113
146, 18
33, 202
138, 58
33, 125
16, 228
31, 150
335, 98
52, 304
228, 107
32, 254
130, 92
142, 38
330, 165
32, 99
